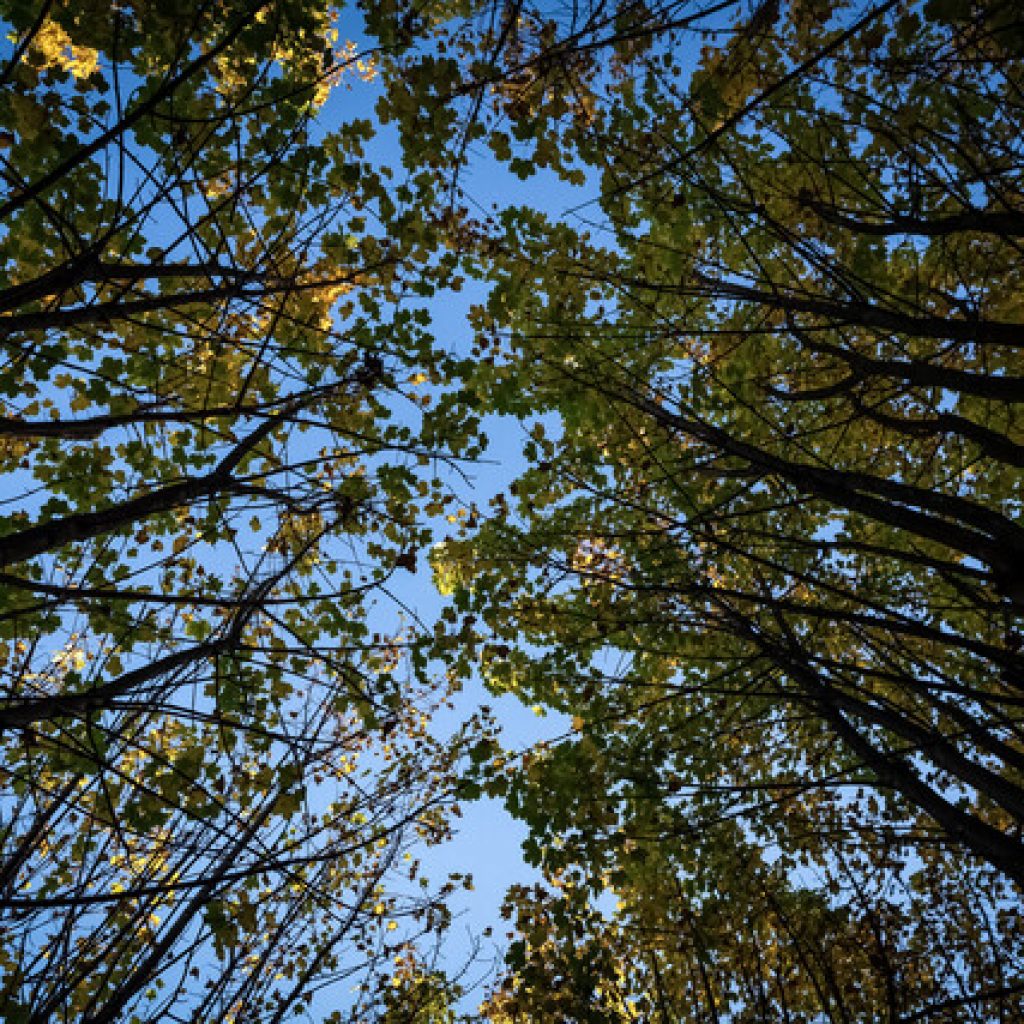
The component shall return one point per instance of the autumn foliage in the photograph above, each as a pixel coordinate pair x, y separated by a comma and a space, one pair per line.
766, 556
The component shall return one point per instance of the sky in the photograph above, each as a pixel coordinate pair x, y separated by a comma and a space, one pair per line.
487, 844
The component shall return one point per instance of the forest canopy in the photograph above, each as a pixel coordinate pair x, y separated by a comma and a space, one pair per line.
765, 556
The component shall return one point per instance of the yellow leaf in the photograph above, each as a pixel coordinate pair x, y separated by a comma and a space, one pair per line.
54, 45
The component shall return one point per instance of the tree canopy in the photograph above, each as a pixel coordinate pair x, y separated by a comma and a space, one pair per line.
768, 550
214, 774
766, 556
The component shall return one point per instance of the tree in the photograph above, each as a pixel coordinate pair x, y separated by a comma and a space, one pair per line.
214, 767
756, 949
766, 557
770, 553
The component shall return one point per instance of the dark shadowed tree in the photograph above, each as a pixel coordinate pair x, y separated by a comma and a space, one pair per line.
768, 553
213, 768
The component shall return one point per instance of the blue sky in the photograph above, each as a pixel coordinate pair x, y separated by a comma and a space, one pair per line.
488, 841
